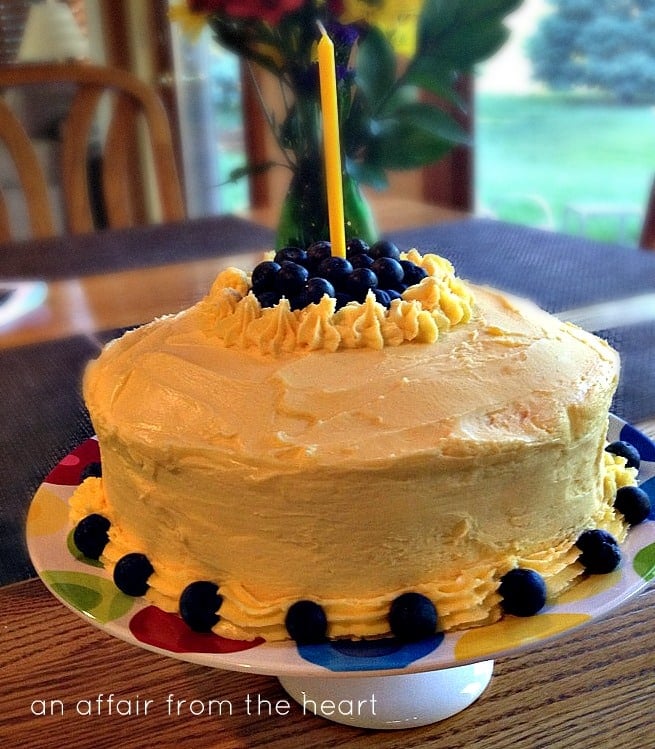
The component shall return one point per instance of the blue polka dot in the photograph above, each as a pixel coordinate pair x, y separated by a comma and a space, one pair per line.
644, 445
368, 655
649, 487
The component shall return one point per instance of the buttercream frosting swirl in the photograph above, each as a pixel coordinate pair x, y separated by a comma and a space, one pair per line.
434, 305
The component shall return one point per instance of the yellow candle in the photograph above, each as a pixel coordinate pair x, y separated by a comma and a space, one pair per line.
331, 143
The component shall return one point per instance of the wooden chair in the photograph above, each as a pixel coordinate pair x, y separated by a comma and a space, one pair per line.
131, 102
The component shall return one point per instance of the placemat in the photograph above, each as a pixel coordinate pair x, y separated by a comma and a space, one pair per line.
557, 271
142, 247
44, 418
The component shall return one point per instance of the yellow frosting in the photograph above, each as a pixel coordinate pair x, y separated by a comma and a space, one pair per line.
308, 454
434, 305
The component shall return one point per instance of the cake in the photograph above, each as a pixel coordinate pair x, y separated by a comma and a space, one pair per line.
402, 464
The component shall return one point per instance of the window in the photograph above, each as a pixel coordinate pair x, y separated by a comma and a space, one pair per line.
576, 158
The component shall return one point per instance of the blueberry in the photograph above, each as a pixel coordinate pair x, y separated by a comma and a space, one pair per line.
306, 622
318, 252
91, 470
131, 574
336, 270
412, 617
293, 254
413, 273
384, 248
90, 535
264, 276
342, 299
199, 603
382, 297
361, 261
292, 278
393, 294
317, 287
361, 281
268, 298
299, 300
356, 246
600, 552
633, 503
523, 592
390, 272
627, 451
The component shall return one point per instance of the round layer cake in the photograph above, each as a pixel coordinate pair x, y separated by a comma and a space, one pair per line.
347, 457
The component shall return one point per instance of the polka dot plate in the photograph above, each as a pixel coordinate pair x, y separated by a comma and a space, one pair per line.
85, 587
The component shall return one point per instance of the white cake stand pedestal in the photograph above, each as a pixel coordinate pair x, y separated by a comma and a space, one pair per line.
391, 702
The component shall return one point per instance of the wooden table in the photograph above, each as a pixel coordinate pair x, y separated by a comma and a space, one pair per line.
592, 688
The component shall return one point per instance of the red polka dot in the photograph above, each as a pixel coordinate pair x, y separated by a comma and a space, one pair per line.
67, 472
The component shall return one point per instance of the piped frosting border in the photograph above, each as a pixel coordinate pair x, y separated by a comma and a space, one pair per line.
425, 311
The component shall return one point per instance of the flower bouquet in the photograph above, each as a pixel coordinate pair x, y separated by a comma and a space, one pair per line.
398, 63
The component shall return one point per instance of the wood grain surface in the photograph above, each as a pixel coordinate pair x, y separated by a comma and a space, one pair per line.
592, 689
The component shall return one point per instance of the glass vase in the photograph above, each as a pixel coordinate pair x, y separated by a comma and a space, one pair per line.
304, 216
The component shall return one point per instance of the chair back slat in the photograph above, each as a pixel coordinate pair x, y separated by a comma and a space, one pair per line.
129, 99
120, 149
29, 172
76, 134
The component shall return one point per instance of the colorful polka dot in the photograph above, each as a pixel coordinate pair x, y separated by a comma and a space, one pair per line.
68, 471
513, 632
368, 655
167, 631
643, 444
92, 595
644, 562
48, 513
590, 587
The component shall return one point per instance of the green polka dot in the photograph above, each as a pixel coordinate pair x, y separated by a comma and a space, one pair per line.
644, 562
92, 595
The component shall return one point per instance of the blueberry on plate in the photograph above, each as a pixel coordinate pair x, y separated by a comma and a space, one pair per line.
131, 574
93, 469
90, 535
306, 622
633, 503
600, 552
199, 604
412, 617
523, 592
627, 451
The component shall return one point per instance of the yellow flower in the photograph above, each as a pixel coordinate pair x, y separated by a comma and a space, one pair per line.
192, 23
396, 18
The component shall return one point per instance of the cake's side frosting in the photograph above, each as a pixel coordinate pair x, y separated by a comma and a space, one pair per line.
282, 470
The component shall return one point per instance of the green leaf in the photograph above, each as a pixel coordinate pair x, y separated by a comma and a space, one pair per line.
456, 34
244, 171
432, 120
405, 143
368, 173
376, 67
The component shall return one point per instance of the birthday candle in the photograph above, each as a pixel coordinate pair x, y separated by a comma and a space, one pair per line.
331, 142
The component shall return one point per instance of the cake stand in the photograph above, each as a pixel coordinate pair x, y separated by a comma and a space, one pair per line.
372, 684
